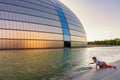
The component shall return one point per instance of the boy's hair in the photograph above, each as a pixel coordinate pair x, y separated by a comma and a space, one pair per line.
94, 58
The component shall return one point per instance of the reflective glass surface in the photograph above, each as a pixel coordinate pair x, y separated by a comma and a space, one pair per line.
15, 34
7, 24
77, 33
17, 44
78, 43
27, 18
64, 23
66, 37
37, 24
66, 31
76, 38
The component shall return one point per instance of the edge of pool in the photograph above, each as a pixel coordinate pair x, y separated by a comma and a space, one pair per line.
102, 74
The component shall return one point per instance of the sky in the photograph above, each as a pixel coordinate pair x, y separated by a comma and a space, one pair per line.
100, 18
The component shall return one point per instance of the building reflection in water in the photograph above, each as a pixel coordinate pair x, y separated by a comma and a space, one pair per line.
67, 52
44, 64
31, 64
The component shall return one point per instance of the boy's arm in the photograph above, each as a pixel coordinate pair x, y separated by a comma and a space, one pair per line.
91, 62
97, 66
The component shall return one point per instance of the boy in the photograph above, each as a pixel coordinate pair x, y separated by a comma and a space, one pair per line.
101, 64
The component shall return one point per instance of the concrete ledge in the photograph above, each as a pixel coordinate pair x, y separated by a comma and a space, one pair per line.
102, 74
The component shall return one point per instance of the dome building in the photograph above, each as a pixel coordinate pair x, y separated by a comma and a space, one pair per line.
26, 24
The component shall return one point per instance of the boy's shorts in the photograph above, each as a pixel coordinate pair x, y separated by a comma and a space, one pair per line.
106, 65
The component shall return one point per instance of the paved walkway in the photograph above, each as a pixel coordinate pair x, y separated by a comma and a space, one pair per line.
102, 74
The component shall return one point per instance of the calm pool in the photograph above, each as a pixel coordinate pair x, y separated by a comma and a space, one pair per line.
51, 64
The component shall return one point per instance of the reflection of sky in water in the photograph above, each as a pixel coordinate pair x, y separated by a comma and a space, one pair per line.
49, 64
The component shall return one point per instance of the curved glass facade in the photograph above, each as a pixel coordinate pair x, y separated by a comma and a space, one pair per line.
26, 24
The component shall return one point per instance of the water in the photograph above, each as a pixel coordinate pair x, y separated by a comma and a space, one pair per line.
51, 64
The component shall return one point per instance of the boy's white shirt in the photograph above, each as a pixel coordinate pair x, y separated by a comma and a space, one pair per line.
100, 63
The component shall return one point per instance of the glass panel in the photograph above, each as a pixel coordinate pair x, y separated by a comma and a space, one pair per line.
13, 34
66, 32
29, 44
64, 25
27, 3
1, 43
76, 38
78, 43
66, 38
53, 1
74, 22
29, 26
58, 9
1, 34
73, 19
77, 33
73, 27
63, 20
61, 14
39, 1
27, 18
